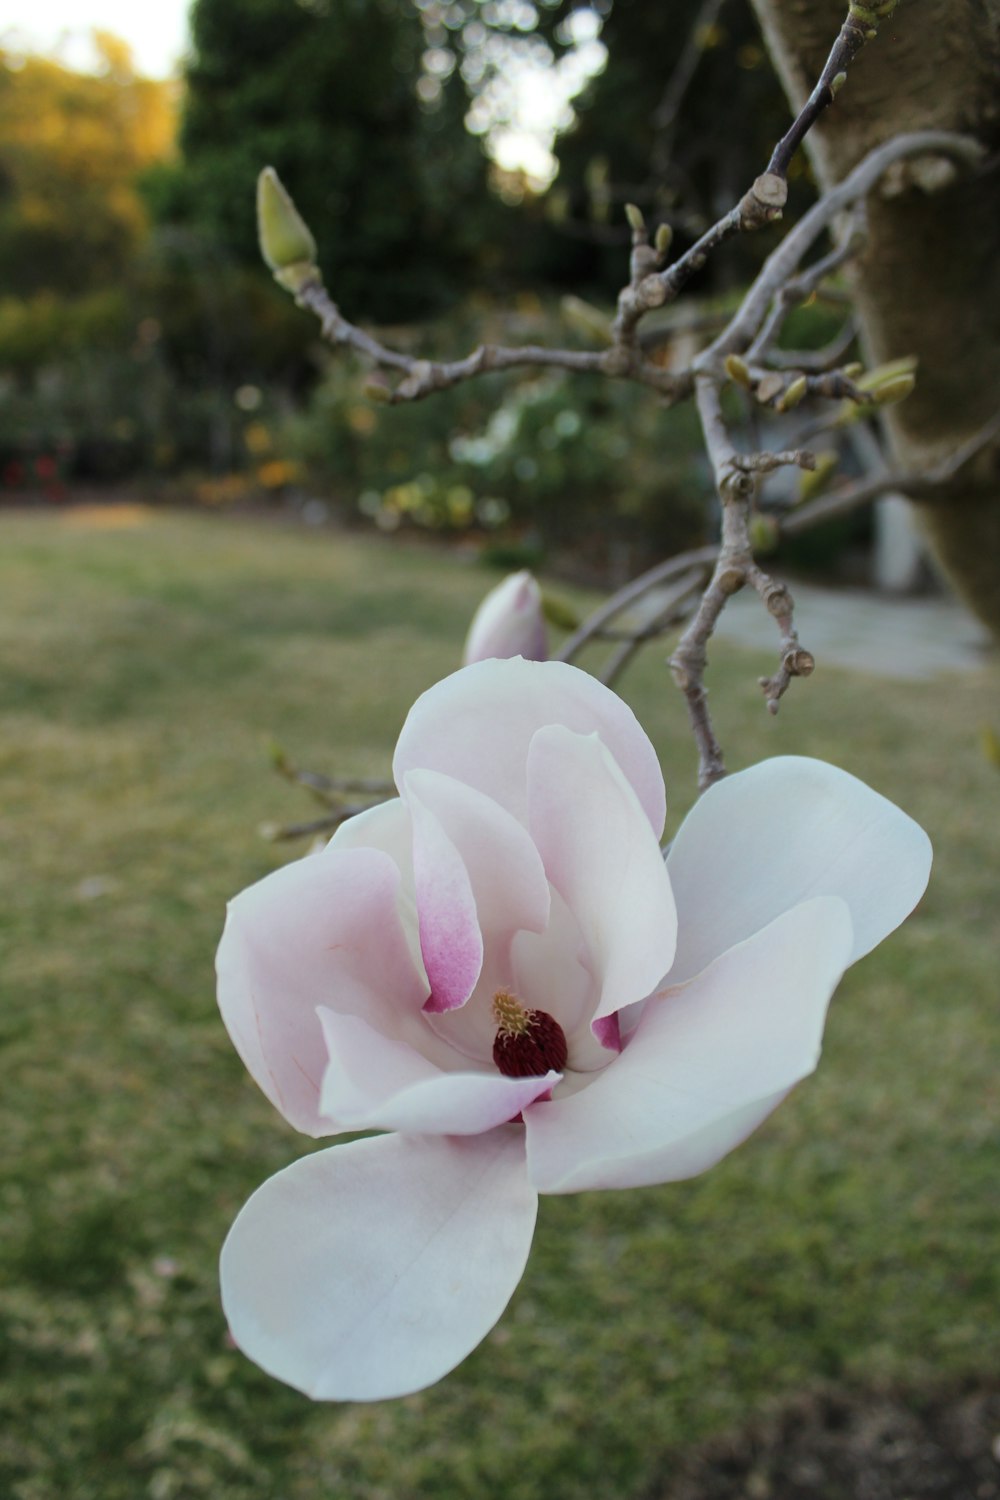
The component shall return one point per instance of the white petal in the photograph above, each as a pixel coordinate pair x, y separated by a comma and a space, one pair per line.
375, 1083
323, 930
551, 972
370, 1270
387, 826
477, 725
704, 1066
603, 858
767, 838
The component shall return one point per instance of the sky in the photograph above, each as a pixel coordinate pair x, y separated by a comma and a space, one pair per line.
156, 30
533, 98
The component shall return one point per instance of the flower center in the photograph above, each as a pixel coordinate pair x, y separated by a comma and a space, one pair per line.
528, 1043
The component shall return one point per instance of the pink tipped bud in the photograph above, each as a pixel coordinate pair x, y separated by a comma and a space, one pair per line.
509, 622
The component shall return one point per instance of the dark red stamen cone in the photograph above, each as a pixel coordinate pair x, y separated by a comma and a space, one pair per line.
535, 1048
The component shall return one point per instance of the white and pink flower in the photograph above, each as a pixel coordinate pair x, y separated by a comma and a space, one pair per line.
499, 969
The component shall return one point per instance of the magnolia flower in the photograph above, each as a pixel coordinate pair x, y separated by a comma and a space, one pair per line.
499, 969
509, 622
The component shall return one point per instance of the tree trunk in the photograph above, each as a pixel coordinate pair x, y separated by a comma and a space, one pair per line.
929, 282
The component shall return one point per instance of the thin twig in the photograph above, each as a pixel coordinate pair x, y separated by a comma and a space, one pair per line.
697, 557
817, 361
664, 118
671, 612
857, 29
799, 288
919, 485
280, 832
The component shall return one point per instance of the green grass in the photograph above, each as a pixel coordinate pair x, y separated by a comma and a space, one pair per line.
851, 1242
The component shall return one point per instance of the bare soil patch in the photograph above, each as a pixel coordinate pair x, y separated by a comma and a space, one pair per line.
834, 1447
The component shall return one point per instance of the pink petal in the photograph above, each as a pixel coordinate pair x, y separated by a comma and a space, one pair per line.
450, 940
371, 1270
509, 622
321, 931
603, 858
504, 869
375, 1083
765, 839
477, 725
705, 1065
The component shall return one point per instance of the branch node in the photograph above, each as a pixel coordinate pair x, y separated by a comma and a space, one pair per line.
764, 202
731, 580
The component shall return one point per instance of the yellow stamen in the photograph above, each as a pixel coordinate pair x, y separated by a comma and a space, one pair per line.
510, 1015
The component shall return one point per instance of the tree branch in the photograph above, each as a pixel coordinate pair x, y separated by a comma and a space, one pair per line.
421, 377
781, 265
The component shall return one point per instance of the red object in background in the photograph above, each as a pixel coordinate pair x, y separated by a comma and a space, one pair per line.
46, 467
13, 472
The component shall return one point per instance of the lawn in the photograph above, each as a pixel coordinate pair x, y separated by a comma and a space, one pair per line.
851, 1244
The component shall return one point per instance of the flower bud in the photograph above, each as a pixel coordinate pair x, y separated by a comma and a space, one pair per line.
991, 745
509, 622
764, 533
737, 369
664, 239
635, 218
896, 388
285, 240
559, 613
882, 374
586, 318
377, 390
816, 480
793, 393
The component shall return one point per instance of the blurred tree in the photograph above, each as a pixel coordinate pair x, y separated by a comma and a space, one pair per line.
70, 217
332, 93
678, 122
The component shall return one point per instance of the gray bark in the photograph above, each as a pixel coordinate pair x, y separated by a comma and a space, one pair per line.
929, 282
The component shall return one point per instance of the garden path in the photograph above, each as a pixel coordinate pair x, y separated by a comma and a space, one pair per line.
913, 638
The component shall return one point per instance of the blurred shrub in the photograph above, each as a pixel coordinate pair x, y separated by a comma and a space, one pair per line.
583, 464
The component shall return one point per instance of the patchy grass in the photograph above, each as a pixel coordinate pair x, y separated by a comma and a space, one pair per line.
852, 1243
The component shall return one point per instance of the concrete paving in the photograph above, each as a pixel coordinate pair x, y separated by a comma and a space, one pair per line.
873, 633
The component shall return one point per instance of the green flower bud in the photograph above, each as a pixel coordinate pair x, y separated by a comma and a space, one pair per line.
737, 369
793, 393
559, 613
664, 239
882, 373
636, 221
897, 388
991, 745
814, 481
587, 318
285, 241
764, 533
